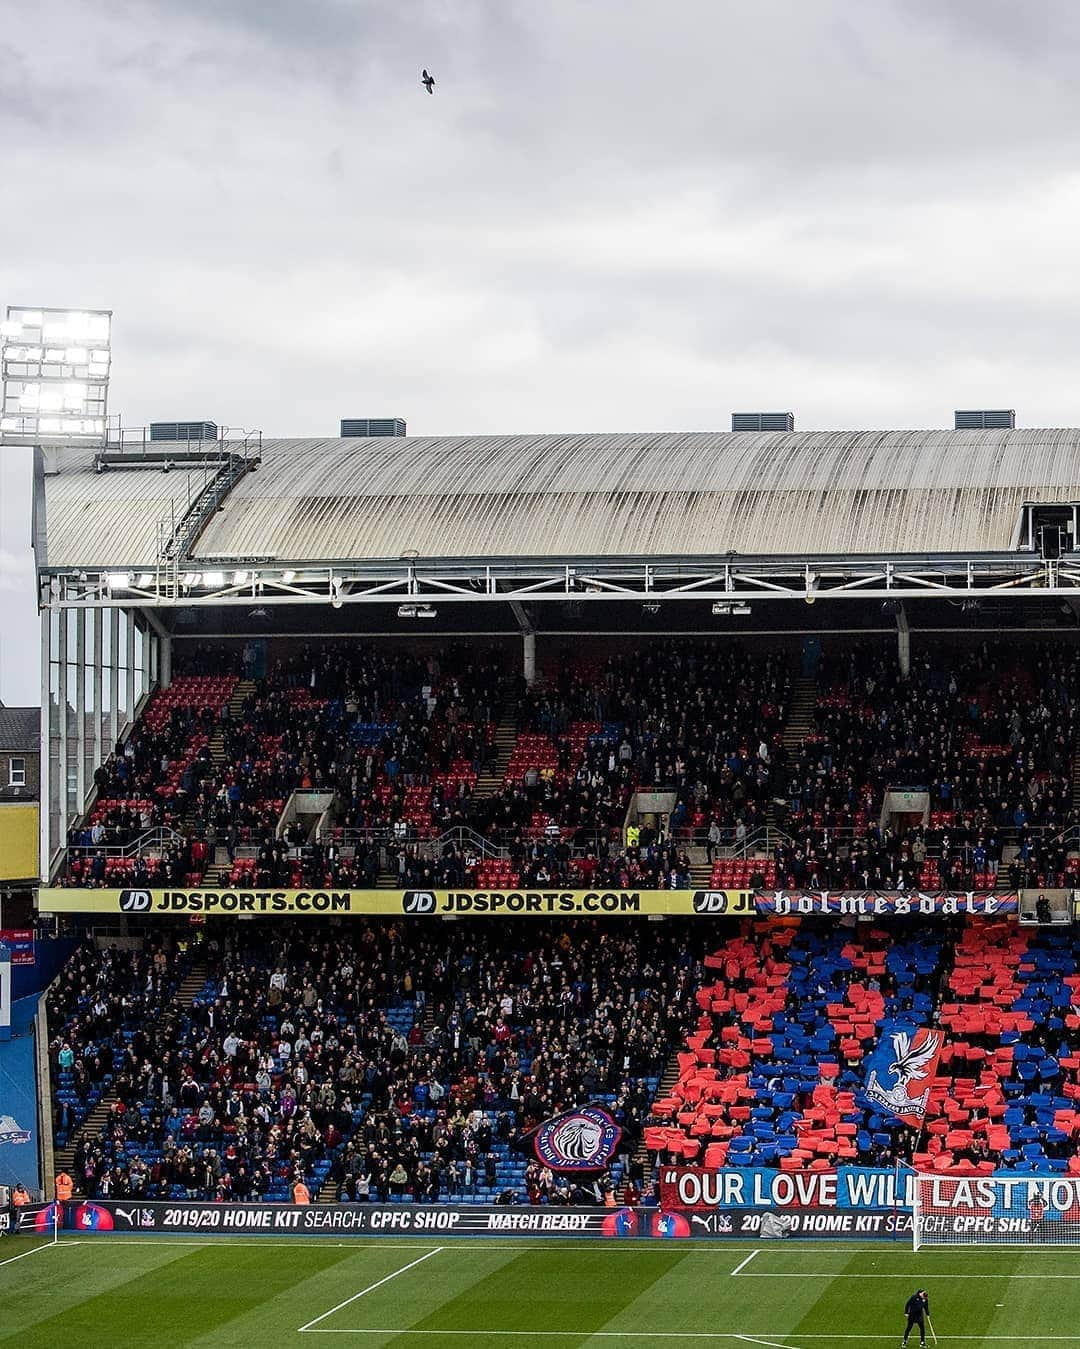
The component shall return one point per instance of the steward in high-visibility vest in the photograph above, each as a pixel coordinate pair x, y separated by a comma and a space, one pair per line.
300, 1193
65, 1187
19, 1196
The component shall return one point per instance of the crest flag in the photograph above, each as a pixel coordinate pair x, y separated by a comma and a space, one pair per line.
579, 1140
901, 1071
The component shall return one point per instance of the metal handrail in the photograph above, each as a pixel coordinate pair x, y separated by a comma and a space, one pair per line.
160, 837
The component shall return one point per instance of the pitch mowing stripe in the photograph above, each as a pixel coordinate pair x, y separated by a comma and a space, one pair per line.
745, 1336
369, 1289
920, 1275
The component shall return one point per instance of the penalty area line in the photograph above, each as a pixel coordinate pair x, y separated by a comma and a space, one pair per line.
743, 1263
369, 1289
48, 1246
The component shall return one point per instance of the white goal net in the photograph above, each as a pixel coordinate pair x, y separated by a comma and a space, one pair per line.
1015, 1210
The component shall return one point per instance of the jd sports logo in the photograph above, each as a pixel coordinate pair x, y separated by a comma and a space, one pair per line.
134, 901
710, 901
418, 901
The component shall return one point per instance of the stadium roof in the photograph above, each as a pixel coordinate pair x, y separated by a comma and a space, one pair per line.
629, 495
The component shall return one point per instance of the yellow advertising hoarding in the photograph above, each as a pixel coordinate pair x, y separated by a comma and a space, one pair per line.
18, 841
417, 903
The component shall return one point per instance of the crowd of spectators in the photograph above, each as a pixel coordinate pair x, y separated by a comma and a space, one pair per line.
697, 719
394, 1059
400, 741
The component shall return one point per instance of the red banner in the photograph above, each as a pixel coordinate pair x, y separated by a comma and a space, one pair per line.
20, 941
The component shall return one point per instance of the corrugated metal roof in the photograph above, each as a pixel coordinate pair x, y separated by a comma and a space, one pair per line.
652, 494
111, 519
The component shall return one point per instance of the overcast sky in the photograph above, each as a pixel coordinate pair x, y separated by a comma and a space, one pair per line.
617, 215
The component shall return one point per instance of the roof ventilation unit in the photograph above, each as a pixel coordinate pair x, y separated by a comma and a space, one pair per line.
183, 431
371, 426
763, 421
995, 419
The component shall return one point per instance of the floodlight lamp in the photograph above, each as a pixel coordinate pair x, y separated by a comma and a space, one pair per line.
213, 580
288, 577
406, 611
10, 328
189, 579
31, 318
146, 579
9, 424
240, 578
118, 580
427, 611
720, 607
76, 356
55, 355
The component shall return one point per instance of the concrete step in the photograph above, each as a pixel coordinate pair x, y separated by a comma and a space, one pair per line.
667, 1081
506, 735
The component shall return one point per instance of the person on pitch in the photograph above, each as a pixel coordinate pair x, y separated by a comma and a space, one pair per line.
917, 1309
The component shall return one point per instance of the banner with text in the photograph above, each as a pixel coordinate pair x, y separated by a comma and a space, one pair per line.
886, 904
761, 1187
537, 902
20, 942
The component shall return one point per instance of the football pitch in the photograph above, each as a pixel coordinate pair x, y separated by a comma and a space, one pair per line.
420, 1294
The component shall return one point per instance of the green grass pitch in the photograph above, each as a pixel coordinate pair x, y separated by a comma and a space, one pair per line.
164, 1291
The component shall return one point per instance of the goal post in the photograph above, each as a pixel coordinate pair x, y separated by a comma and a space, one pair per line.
1001, 1210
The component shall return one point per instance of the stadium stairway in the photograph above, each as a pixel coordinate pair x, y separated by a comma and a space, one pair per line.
801, 713
506, 734
1076, 778
64, 1158
800, 719
664, 1090
190, 824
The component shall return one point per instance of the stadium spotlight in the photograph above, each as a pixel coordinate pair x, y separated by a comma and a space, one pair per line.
146, 579
55, 372
240, 578
118, 580
189, 579
742, 609
426, 611
651, 607
721, 607
811, 587
213, 580
288, 577
406, 611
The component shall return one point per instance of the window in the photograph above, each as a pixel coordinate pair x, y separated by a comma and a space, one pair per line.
16, 772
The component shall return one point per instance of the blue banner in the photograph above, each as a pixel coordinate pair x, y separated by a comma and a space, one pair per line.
18, 1114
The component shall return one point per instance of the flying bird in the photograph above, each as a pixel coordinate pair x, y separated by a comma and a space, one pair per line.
912, 1065
428, 81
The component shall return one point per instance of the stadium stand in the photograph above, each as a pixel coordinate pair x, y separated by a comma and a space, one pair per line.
339, 1057
770, 1070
